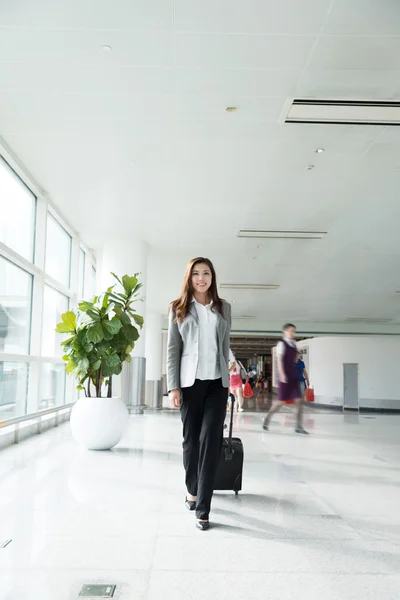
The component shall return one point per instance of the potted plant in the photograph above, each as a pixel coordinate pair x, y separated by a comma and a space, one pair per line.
101, 336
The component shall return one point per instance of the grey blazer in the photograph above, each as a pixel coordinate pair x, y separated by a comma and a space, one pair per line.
183, 348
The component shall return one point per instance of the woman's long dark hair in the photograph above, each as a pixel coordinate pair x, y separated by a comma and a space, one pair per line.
181, 306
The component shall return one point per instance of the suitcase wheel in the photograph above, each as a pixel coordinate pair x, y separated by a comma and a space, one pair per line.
237, 486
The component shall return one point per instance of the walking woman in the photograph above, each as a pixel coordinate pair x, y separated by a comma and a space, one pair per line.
288, 381
198, 379
235, 383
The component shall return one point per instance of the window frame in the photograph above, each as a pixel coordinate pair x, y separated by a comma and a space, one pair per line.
14, 174
36, 268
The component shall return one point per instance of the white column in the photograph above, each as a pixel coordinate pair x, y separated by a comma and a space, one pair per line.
127, 257
153, 360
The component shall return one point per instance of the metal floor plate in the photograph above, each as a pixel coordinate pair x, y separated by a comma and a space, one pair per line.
97, 591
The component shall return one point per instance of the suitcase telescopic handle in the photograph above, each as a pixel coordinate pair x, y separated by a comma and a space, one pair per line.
232, 399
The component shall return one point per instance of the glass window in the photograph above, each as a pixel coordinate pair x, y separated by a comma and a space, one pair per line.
15, 308
52, 386
54, 304
58, 251
13, 389
81, 282
17, 210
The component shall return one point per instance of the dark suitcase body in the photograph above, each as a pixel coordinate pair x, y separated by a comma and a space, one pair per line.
230, 466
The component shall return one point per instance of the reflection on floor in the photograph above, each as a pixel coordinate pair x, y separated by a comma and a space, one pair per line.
318, 518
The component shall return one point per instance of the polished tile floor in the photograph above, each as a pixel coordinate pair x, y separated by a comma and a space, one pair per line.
318, 518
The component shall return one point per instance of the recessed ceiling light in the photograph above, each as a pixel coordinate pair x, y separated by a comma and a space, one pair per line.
231, 108
319, 150
106, 48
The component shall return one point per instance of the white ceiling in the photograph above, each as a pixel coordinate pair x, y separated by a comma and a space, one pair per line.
136, 142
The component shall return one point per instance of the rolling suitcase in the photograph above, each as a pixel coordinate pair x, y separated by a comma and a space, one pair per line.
230, 466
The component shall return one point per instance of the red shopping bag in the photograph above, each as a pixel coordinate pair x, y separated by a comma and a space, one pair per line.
247, 391
310, 395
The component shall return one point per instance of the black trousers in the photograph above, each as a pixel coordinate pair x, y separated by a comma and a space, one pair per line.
203, 409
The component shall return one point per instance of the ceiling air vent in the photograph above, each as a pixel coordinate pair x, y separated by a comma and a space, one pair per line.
244, 317
249, 286
281, 235
343, 112
369, 321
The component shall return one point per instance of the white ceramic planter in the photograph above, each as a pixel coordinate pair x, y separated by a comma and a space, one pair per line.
99, 423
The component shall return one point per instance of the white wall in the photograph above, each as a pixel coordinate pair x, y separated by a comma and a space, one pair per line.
378, 358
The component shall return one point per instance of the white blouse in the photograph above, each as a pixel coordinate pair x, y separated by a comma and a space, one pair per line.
208, 367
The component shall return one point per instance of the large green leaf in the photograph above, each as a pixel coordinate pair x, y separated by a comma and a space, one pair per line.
131, 333
96, 366
112, 326
83, 364
95, 333
109, 308
85, 306
119, 298
129, 283
138, 320
68, 324
68, 343
111, 365
111, 360
117, 369
107, 335
125, 319
93, 314
71, 367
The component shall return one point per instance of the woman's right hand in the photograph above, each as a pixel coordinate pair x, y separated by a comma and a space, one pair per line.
175, 398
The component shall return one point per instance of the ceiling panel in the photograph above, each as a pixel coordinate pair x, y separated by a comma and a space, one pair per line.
243, 51
353, 53
236, 82
137, 15
48, 46
88, 79
49, 110
364, 17
251, 16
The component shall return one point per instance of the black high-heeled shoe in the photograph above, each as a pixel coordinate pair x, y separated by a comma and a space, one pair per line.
190, 505
202, 525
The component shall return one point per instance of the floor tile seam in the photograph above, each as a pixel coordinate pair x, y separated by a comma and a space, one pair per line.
153, 556
269, 538
55, 570
277, 572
